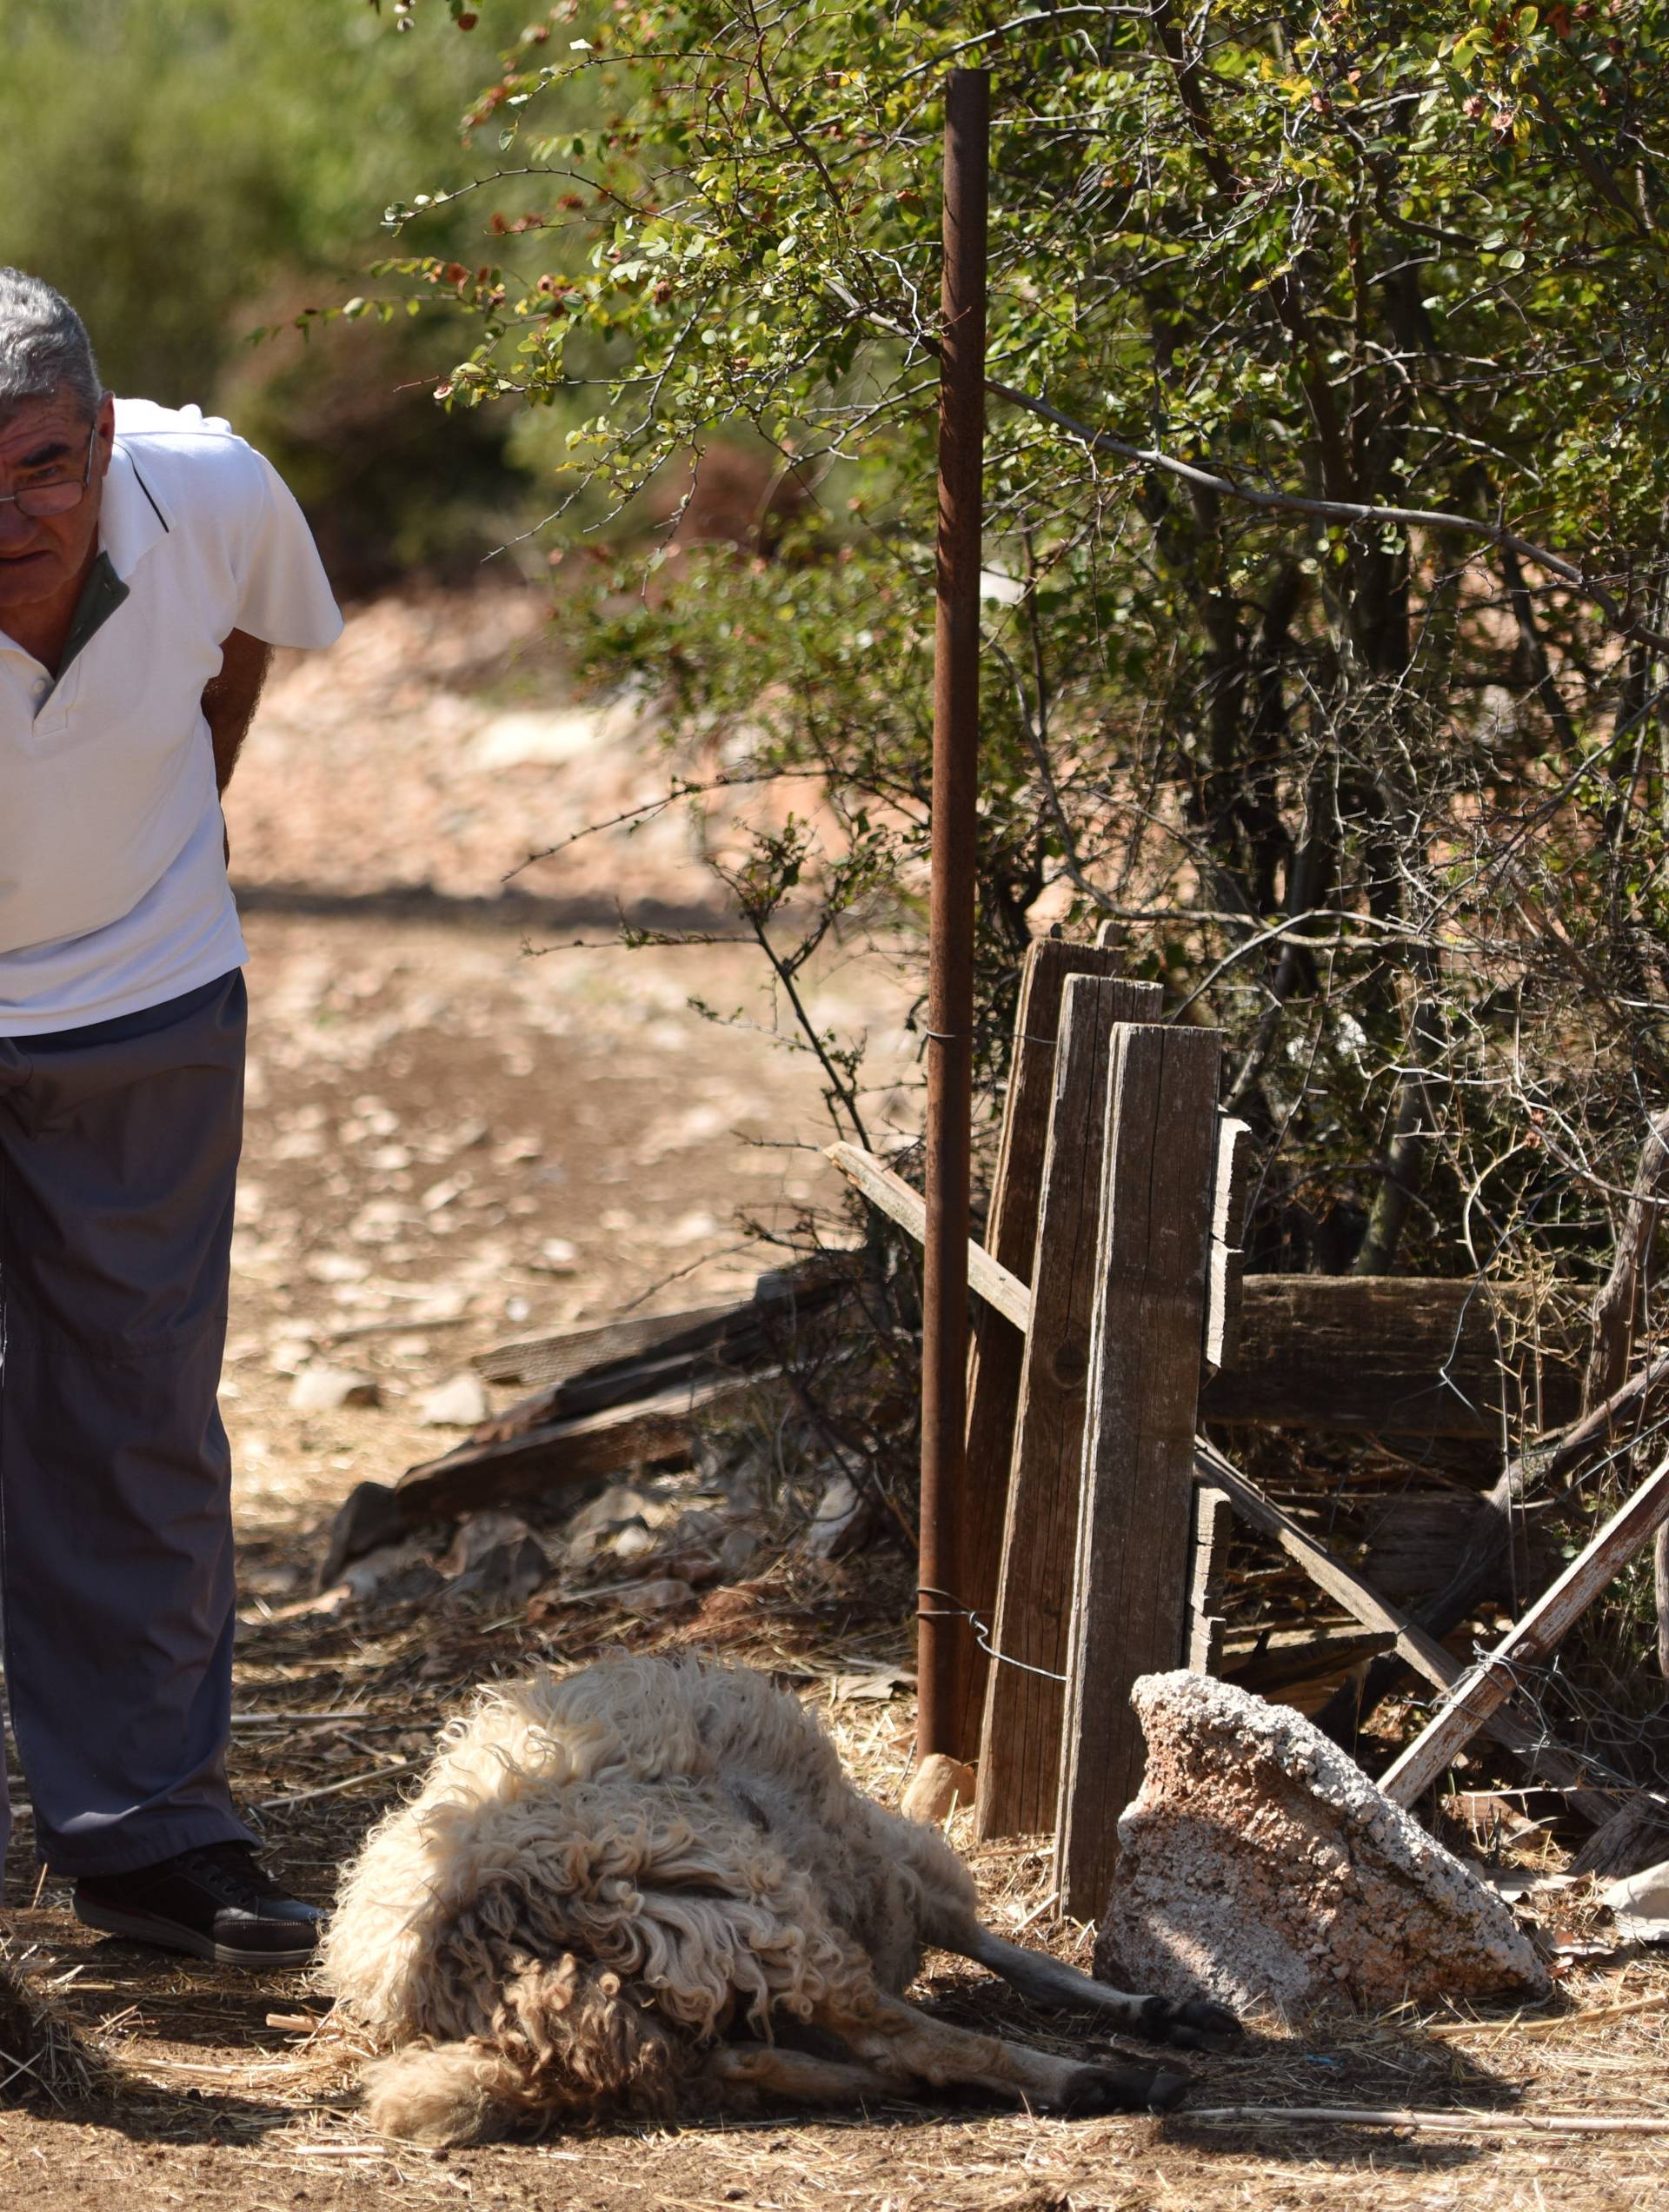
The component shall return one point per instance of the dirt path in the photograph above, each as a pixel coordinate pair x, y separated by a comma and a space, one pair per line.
451, 1143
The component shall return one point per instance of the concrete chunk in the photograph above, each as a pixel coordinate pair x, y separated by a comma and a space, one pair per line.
1259, 1864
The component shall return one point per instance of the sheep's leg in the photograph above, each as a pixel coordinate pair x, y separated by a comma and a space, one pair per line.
801, 2076
1193, 2023
909, 2048
446, 2093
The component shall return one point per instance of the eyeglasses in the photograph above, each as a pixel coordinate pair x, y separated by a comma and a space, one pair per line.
59, 493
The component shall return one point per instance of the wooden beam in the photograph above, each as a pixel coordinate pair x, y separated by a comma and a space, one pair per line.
564, 1452
1393, 1355
1485, 1687
1011, 1241
1484, 1554
1131, 1578
894, 1197
1422, 1652
731, 1341
1230, 1187
1020, 1739
543, 1363
1288, 1658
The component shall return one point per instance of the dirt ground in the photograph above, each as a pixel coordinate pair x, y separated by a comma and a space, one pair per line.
455, 1140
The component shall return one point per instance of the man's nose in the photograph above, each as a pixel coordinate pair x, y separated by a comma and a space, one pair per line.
14, 525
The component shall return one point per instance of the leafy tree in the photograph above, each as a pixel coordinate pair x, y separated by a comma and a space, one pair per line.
1327, 648
190, 170
1386, 796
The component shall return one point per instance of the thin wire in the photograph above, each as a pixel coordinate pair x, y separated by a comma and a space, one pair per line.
957, 1612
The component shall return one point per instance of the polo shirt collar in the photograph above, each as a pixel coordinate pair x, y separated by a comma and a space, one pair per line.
131, 518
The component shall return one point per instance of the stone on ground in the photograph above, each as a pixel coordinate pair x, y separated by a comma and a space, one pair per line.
495, 1559
459, 1403
1259, 1864
321, 1390
937, 1785
842, 1519
393, 1574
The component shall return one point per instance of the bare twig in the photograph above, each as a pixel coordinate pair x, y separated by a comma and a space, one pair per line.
1442, 2124
1616, 1307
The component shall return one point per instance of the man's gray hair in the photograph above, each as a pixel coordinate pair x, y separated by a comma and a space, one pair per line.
44, 349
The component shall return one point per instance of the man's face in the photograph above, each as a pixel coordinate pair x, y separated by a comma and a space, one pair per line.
42, 556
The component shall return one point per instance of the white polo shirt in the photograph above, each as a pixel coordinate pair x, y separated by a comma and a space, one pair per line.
113, 890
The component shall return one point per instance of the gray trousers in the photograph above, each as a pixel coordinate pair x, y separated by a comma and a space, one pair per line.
119, 1159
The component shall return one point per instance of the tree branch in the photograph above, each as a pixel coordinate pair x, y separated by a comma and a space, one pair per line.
1616, 1307
1344, 510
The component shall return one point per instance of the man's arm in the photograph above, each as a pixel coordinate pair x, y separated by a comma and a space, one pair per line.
228, 702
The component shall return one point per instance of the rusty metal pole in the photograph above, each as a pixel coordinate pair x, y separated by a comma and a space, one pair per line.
943, 1636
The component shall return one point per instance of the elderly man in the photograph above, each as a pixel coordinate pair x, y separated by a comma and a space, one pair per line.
149, 561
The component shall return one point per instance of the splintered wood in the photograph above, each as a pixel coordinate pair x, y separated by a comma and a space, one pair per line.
1131, 1581
1208, 1575
1487, 1686
1514, 1724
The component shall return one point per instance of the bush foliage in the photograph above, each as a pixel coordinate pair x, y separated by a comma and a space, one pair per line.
1384, 796
190, 170
1327, 647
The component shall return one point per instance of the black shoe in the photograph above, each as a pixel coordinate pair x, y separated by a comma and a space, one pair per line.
215, 1903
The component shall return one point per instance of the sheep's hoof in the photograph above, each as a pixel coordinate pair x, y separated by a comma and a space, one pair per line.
1193, 2024
1093, 2089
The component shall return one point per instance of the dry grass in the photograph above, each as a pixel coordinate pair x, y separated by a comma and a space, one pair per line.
254, 2099
43, 2055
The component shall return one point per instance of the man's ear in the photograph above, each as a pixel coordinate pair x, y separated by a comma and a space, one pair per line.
105, 439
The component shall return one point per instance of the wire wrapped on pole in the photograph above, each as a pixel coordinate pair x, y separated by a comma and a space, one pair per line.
941, 1647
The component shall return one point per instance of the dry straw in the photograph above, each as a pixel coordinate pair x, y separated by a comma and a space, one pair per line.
44, 2057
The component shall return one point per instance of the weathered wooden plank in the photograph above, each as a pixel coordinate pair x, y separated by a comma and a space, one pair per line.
1387, 1355
1230, 1189
747, 1337
1208, 1572
563, 1452
1020, 1739
899, 1203
1482, 1556
1288, 1658
601, 1348
1485, 1687
1516, 1727
1130, 1583
1421, 1651
1011, 1240
1390, 1355
543, 1363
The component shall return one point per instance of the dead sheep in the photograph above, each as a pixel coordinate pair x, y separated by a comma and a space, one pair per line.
650, 1876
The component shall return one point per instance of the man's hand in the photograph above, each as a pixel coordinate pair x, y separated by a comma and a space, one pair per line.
228, 702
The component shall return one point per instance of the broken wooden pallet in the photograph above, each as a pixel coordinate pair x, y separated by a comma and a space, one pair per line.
645, 1432
1393, 1355
1514, 1726
621, 1395
1484, 1689
589, 1358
